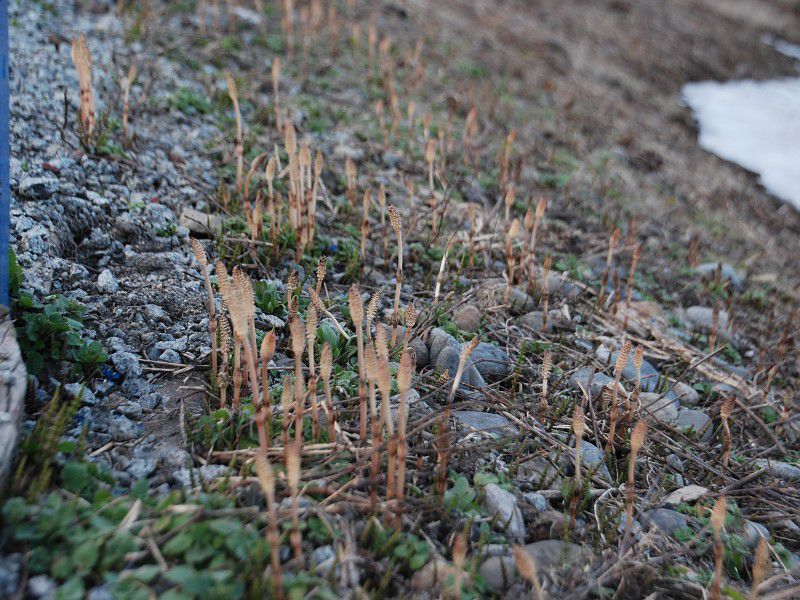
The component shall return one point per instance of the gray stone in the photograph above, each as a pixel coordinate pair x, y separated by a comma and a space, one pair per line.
200, 224
753, 532
780, 469
127, 363
667, 520
502, 506
107, 283
696, 422
494, 425
537, 501
659, 408
38, 188
686, 394
500, 572
429, 576
323, 559
467, 318
155, 313
41, 586
421, 353
701, 318
728, 272
438, 339
122, 429
492, 362
184, 476
141, 467
471, 380
593, 460
688, 494
580, 378
10, 568
534, 320
75, 390
169, 355
519, 302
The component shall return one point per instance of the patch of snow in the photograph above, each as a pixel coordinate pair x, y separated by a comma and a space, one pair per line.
755, 124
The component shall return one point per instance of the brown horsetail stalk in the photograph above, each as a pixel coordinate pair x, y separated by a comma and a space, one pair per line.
266, 478
724, 414
404, 374
578, 428
82, 60
371, 369
325, 369
126, 94
443, 441
430, 158
297, 331
633, 400
287, 399
411, 320
537, 219
760, 566
638, 436
712, 337
276, 78
311, 336
372, 311
364, 224
615, 301
547, 365
509, 200
612, 244
234, 96
202, 259
385, 387
267, 352
293, 480
637, 253
622, 360
527, 568
511, 235
397, 227
471, 215
225, 349
384, 230
321, 270
546, 266
717, 522
356, 305
442, 269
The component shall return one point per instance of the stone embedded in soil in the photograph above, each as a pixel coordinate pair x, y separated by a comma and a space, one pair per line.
658, 407
667, 520
126, 363
729, 272
38, 188
519, 302
701, 318
186, 477
439, 339
494, 425
467, 318
688, 494
593, 460
199, 223
437, 570
695, 422
753, 532
599, 380
502, 505
471, 380
107, 283
75, 390
492, 362
534, 320
686, 394
499, 572
778, 468
537, 501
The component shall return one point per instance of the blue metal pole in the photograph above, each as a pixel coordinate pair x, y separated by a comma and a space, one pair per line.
5, 158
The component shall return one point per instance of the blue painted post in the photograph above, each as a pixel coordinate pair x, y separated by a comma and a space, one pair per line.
5, 158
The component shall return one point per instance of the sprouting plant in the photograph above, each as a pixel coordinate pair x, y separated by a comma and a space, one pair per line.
546, 266
547, 364
527, 568
276, 77
633, 401
612, 244
534, 231
717, 521
725, 413
638, 436
356, 305
267, 479
404, 374
397, 227
760, 566
622, 360
293, 481
578, 427
325, 370
239, 140
202, 260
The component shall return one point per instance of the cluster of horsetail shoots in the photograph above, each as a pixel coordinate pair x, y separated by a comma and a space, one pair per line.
638, 436
622, 360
